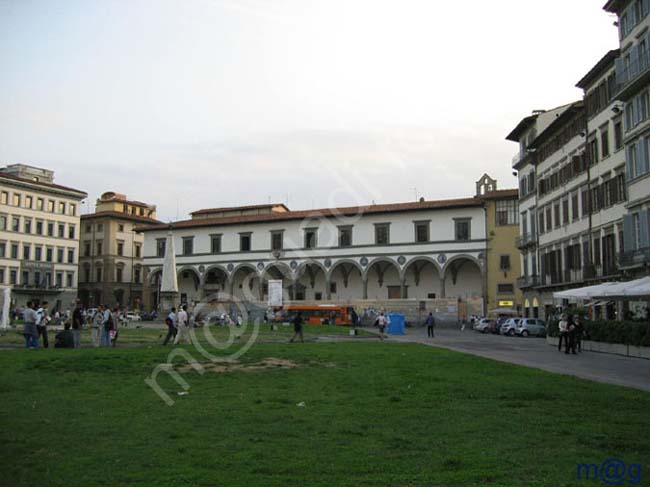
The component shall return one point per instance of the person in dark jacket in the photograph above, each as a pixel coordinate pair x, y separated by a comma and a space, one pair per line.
65, 338
430, 322
571, 337
77, 323
297, 327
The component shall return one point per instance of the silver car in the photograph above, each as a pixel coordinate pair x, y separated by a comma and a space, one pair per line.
484, 325
510, 327
531, 326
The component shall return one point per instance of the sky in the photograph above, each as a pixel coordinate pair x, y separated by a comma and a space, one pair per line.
190, 104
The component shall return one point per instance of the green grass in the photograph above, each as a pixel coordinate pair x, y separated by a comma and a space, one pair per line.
376, 414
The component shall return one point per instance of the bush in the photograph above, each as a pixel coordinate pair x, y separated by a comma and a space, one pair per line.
635, 333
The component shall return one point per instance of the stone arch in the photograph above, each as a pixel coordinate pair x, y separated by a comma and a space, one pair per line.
339, 262
421, 258
311, 280
153, 274
191, 269
383, 279
422, 278
281, 268
246, 287
351, 283
214, 268
463, 277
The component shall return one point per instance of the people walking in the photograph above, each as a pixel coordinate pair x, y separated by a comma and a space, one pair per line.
183, 326
107, 326
29, 329
42, 319
579, 332
96, 326
297, 328
564, 332
170, 321
571, 337
430, 322
77, 324
115, 331
382, 322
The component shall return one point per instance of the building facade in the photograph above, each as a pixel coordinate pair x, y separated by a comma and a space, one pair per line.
633, 90
413, 252
111, 262
39, 236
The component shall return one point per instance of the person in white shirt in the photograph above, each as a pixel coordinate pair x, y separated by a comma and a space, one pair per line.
108, 324
172, 329
382, 322
183, 326
96, 330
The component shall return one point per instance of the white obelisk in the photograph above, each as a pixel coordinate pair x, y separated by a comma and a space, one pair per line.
169, 283
6, 303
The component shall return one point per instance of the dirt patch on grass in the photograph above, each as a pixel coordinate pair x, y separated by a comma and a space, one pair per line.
231, 365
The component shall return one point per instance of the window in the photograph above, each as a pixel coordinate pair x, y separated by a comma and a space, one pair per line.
575, 210
37, 278
16, 199
28, 225
15, 224
120, 228
556, 214
596, 255
118, 274
160, 247
72, 209
565, 212
62, 207
310, 238
505, 288
50, 229
49, 252
70, 256
136, 275
50, 206
138, 250
89, 228
245, 242
27, 252
59, 255
61, 230
549, 218
39, 227
332, 287
382, 233
188, 245
3, 249
38, 253
25, 280
120, 248
345, 236
40, 204
618, 135
98, 273
14, 251
422, 231
13, 276
277, 240
4, 198
504, 263
59, 279
87, 274
2, 276
71, 232
29, 201
463, 229
100, 227
507, 212
70, 279
3, 222
86, 249
99, 248
604, 143
585, 202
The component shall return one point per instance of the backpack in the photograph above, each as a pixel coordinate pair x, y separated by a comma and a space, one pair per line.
169, 322
109, 322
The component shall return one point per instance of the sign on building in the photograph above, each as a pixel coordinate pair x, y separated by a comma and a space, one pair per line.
275, 292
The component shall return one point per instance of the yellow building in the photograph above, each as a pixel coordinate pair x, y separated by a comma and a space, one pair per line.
110, 266
502, 256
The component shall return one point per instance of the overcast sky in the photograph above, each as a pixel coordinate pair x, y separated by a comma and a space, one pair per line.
190, 104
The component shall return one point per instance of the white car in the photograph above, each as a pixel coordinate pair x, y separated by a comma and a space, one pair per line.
133, 317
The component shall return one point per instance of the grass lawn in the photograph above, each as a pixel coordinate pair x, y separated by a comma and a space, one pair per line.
375, 414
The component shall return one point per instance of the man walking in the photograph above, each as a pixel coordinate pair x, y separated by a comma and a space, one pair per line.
563, 326
382, 322
107, 326
77, 323
170, 321
29, 329
297, 328
42, 317
183, 326
97, 322
430, 322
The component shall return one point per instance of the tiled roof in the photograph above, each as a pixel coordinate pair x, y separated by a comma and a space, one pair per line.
500, 193
238, 208
53, 186
321, 213
123, 216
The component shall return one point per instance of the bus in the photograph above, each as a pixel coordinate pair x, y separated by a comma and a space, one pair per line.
321, 314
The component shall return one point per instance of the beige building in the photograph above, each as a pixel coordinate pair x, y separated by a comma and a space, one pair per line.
112, 251
39, 236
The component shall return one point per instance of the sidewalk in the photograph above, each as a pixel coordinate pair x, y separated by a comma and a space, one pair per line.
536, 353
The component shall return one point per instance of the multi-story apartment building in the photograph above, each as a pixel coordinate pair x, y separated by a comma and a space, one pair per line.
39, 236
633, 90
407, 251
572, 184
112, 251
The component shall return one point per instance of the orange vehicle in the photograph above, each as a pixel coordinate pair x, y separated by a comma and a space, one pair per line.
322, 314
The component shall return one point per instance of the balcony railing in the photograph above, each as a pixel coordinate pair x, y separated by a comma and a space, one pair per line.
634, 70
634, 258
527, 281
525, 240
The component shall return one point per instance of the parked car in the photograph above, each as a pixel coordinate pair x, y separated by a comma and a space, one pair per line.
148, 316
510, 327
531, 326
485, 325
131, 316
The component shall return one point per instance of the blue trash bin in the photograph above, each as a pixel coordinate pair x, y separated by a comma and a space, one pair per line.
396, 325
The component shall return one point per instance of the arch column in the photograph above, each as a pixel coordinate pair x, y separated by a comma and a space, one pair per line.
230, 285
328, 286
402, 287
443, 293
365, 287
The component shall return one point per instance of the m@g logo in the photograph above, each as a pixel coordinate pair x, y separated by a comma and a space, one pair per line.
612, 472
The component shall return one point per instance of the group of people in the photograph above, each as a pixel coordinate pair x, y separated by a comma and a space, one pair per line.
178, 326
37, 318
571, 332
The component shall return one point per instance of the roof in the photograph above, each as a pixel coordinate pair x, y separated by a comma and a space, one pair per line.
321, 213
123, 200
500, 194
239, 208
605, 62
521, 128
615, 6
121, 216
51, 186
558, 122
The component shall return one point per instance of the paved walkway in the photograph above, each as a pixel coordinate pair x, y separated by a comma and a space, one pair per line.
535, 352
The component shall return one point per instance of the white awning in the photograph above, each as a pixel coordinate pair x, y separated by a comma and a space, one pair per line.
584, 292
639, 288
